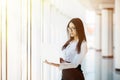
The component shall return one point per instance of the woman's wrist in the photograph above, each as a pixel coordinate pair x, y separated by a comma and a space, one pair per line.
49, 63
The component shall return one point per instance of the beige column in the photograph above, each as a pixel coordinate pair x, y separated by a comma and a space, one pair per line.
46, 35
98, 32
107, 32
117, 33
0, 42
4, 41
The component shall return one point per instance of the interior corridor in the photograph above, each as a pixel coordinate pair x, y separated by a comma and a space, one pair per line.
34, 30
95, 67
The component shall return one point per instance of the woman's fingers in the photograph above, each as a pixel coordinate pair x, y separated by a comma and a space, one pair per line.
45, 61
61, 60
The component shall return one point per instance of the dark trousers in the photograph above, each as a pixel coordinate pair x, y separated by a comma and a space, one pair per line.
72, 74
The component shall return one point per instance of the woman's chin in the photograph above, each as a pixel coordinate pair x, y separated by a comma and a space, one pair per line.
72, 35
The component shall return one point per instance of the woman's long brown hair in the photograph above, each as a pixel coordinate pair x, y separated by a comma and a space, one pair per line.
80, 32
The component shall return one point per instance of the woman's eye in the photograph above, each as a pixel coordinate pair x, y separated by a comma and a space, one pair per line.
71, 28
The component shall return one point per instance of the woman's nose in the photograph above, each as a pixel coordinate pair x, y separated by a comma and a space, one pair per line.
71, 29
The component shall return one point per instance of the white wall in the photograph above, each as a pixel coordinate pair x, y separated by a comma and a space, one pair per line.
25, 26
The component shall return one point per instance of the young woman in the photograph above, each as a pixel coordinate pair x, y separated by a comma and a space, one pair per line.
74, 51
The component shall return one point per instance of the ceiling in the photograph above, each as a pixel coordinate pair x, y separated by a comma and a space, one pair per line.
94, 4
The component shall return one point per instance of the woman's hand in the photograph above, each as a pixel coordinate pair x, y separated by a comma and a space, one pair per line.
47, 62
61, 60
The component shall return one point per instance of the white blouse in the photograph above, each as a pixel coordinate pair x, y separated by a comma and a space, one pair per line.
70, 54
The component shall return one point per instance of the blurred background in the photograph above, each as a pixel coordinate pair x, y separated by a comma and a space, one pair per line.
33, 30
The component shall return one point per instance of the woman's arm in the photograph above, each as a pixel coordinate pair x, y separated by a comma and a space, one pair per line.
76, 61
53, 64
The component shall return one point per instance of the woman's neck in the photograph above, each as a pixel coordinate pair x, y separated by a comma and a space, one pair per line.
75, 38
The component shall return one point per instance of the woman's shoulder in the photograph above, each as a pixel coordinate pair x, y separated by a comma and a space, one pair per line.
84, 43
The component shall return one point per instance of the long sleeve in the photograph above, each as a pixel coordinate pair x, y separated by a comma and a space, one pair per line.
77, 59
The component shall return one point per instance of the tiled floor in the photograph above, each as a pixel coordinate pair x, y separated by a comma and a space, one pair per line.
96, 67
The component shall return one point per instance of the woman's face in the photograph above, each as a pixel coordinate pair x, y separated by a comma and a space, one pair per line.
72, 30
